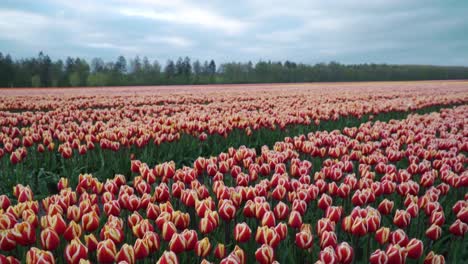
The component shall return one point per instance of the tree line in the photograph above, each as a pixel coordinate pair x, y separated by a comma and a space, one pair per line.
42, 71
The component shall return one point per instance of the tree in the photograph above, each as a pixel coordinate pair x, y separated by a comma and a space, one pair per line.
170, 70
36, 81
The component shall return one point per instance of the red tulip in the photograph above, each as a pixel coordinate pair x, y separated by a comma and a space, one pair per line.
437, 218
324, 202
168, 230
281, 211
7, 240
458, 228
126, 253
168, 257
295, 219
434, 232
378, 257
402, 218
382, 235
153, 240
75, 251
4, 202
399, 237
268, 219
396, 254
177, 244
91, 242
50, 240
141, 248
359, 227
242, 232
203, 247
90, 221
220, 251
433, 258
106, 251
328, 239
414, 248
345, 253
265, 254
226, 210
73, 230
24, 233
37, 256
304, 239
328, 255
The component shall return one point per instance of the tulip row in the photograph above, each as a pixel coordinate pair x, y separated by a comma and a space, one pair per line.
390, 192
100, 134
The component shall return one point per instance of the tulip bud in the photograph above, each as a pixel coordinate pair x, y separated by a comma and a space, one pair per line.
268, 219
304, 239
141, 248
106, 251
328, 255
168, 230
7, 240
434, 232
203, 247
281, 211
36, 256
396, 254
220, 251
324, 202
50, 240
90, 222
399, 237
242, 232
73, 230
126, 254
168, 257
458, 228
328, 239
177, 244
359, 227
91, 242
402, 218
265, 254
382, 235
415, 248
345, 253
432, 258
75, 251
378, 257
295, 219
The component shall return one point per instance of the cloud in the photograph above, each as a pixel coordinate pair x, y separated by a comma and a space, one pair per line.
194, 16
310, 31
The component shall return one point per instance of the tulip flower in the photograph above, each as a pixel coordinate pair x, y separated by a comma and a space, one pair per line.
265, 254
328, 255
50, 240
168, 257
141, 248
345, 253
434, 232
396, 254
203, 247
414, 248
220, 251
126, 253
37, 256
402, 218
458, 228
177, 244
242, 232
378, 257
106, 251
432, 258
304, 239
295, 219
382, 235
7, 240
75, 251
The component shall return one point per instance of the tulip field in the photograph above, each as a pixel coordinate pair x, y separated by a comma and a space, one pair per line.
273, 173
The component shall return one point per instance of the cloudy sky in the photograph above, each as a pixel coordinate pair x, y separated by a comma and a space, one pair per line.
309, 31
